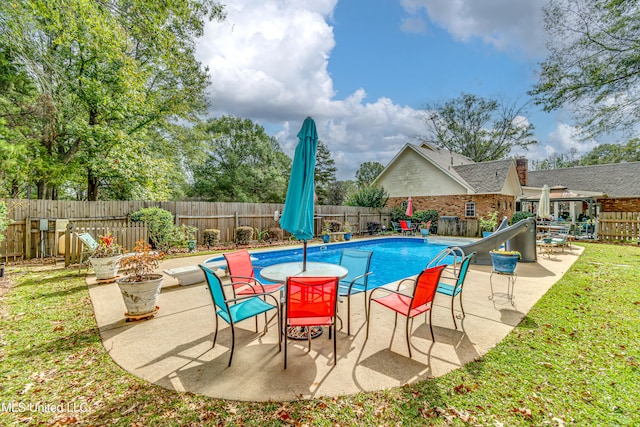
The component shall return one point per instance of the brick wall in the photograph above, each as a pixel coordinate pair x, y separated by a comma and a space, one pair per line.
618, 204
453, 205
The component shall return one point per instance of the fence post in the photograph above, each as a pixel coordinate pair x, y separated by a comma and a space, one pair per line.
27, 238
67, 245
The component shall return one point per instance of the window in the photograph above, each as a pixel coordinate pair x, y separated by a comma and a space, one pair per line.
469, 209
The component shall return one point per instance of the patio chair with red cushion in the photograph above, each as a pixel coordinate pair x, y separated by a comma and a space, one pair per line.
243, 277
311, 301
419, 301
405, 227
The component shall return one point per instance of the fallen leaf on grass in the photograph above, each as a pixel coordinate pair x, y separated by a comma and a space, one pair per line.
526, 412
462, 389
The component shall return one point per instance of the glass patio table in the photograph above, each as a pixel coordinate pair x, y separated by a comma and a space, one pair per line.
279, 273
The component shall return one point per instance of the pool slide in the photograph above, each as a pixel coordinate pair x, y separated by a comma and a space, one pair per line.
519, 237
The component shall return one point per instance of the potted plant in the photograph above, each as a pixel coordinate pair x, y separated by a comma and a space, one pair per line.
140, 287
504, 261
347, 230
326, 237
105, 259
187, 236
489, 224
425, 228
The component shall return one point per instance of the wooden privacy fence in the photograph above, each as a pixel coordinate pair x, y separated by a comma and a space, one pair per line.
619, 226
454, 226
126, 234
39, 225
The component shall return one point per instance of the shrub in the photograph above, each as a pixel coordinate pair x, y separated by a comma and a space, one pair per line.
373, 227
398, 213
426, 216
275, 233
211, 237
244, 235
490, 223
162, 231
519, 216
183, 234
370, 196
334, 226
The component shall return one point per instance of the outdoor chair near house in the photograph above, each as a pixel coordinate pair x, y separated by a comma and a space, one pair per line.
311, 301
410, 305
396, 226
405, 227
89, 245
237, 309
357, 262
242, 274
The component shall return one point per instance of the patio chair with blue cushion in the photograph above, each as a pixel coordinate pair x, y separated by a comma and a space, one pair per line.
235, 310
410, 305
455, 289
357, 262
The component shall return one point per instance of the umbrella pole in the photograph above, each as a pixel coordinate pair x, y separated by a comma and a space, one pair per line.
304, 255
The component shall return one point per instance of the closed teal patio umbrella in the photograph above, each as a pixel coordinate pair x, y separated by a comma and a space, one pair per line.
297, 214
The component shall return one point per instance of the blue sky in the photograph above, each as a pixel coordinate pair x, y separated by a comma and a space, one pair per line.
364, 69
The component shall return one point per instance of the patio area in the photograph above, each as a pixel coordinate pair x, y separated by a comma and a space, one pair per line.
173, 350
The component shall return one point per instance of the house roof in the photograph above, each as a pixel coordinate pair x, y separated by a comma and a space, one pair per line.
614, 180
446, 160
485, 177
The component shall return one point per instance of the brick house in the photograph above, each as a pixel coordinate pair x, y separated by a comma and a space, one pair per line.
452, 184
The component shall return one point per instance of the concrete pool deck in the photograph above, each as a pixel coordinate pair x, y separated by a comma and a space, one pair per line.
173, 350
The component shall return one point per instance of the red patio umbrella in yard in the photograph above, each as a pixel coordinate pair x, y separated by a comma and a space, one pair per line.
409, 211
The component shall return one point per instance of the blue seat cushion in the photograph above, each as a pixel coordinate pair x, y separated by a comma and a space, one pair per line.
446, 289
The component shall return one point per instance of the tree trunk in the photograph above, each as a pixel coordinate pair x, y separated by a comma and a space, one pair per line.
42, 189
92, 187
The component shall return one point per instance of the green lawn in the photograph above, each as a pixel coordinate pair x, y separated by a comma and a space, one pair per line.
572, 361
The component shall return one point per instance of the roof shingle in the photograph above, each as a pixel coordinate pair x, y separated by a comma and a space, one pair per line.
614, 180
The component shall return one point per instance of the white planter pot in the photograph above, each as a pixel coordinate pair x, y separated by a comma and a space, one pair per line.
106, 268
140, 298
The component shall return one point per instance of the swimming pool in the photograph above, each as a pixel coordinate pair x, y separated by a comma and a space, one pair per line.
394, 258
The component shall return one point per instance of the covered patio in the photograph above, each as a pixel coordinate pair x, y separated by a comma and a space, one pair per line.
173, 350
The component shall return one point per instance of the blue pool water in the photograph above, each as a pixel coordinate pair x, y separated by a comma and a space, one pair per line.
393, 258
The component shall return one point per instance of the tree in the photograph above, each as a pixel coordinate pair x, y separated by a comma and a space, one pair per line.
368, 196
338, 191
613, 153
480, 128
593, 66
111, 77
368, 172
325, 172
17, 113
243, 164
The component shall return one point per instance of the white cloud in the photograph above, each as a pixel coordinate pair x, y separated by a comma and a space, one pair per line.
508, 25
564, 139
268, 62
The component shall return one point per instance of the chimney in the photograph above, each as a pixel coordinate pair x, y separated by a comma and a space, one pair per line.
522, 168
